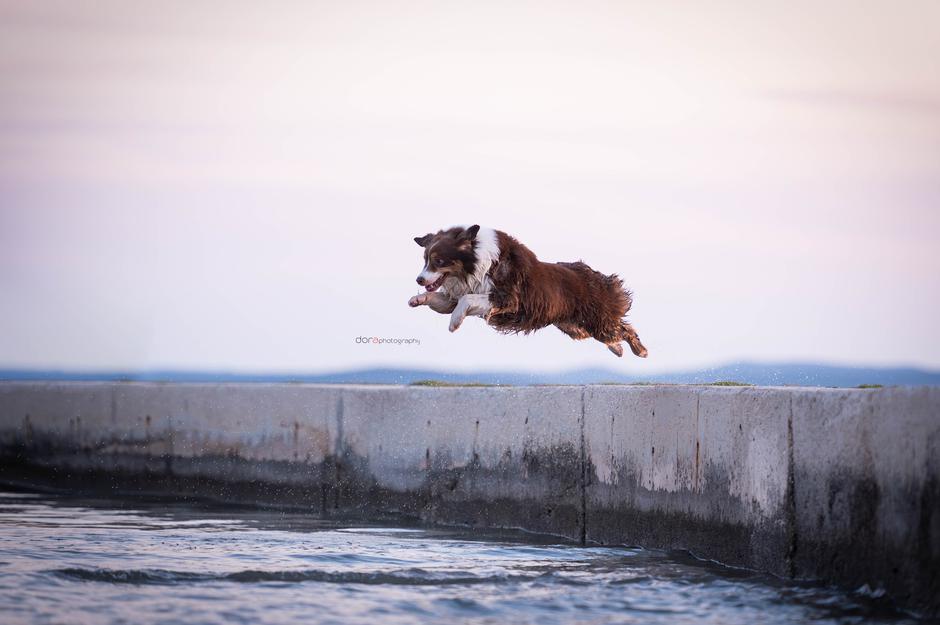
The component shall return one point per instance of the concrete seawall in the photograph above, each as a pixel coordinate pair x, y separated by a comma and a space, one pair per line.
838, 484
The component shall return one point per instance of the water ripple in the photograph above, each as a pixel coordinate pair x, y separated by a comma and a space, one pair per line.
99, 562
408, 577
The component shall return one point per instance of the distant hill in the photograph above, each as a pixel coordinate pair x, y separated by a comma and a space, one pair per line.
795, 374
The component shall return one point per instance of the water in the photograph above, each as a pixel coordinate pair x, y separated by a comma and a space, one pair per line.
70, 560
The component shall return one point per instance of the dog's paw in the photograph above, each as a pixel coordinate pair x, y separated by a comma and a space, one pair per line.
455, 322
416, 301
616, 348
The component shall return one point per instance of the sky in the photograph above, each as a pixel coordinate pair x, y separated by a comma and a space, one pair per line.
235, 185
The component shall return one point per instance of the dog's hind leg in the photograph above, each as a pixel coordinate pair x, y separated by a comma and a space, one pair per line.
574, 331
477, 305
632, 339
578, 333
438, 302
613, 338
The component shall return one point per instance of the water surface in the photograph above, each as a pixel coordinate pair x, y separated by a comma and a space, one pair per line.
65, 559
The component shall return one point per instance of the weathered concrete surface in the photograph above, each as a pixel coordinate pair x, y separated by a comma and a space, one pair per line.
703, 469
273, 442
472, 455
867, 498
838, 484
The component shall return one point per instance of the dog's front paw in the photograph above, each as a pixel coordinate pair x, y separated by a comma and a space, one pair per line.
417, 300
455, 321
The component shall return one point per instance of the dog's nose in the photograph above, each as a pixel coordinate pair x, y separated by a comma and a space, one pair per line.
420, 280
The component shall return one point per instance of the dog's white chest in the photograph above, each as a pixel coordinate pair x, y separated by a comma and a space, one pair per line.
457, 288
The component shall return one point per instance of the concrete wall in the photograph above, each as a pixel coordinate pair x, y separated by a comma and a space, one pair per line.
832, 483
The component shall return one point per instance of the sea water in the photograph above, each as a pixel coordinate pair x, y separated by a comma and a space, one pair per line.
67, 559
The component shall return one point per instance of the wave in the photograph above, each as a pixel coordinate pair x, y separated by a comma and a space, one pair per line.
410, 577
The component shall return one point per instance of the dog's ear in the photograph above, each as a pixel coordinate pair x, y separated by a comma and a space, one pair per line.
469, 234
423, 241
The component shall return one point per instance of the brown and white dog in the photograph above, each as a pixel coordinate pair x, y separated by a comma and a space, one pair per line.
487, 273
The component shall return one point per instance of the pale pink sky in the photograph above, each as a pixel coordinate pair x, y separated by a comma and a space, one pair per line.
235, 185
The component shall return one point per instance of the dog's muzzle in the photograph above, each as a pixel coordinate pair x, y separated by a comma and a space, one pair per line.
431, 286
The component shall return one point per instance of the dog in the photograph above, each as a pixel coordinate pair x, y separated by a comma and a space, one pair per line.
487, 273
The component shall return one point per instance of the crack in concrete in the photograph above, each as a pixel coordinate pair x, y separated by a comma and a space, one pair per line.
583, 484
790, 499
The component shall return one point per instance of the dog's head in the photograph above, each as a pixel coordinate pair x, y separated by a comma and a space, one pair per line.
449, 253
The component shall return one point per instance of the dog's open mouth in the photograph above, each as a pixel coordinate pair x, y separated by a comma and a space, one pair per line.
436, 284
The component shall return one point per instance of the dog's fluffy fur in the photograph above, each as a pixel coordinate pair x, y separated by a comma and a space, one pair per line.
487, 273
